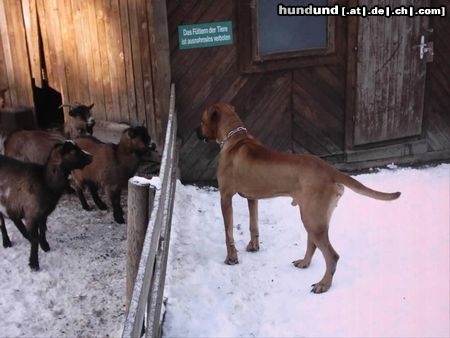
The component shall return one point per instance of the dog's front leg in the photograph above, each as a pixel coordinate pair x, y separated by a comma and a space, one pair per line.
253, 246
227, 212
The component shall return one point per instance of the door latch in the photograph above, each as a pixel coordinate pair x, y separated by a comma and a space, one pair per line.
426, 49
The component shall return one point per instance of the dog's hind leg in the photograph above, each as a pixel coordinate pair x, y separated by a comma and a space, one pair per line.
331, 258
310, 249
253, 245
316, 214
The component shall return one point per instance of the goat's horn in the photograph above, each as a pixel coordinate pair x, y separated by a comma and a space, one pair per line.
65, 105
57, 138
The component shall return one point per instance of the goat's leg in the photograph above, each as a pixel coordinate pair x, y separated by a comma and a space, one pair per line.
114, 197
6, 240
34, 252
42, 236
97, 200
21, 227
82, 199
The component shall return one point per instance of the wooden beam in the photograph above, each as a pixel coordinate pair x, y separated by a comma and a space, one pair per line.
140, 203
32, 37
160, 61
350, 93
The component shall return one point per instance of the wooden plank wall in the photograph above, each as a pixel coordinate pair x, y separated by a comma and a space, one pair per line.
303, 110
14, 63
437, 95
299, 110
111, 52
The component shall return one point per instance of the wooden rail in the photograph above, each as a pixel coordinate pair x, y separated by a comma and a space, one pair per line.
149, 284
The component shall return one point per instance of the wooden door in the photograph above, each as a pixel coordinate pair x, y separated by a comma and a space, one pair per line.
390, 76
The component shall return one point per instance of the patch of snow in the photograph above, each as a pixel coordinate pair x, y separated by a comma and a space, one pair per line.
392, 279
392, 166
155, 181
80, 289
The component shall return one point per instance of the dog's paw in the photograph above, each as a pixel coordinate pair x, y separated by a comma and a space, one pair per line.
253, 246
320, 287
301, 263
231, 261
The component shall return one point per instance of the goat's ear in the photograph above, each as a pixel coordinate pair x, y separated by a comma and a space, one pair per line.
72, 112
91, 106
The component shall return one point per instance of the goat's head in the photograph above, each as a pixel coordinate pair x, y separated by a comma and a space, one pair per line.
69, 156
138, 140
82, 122
2, 97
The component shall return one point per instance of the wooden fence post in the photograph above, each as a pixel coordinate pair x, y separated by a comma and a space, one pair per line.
140, 202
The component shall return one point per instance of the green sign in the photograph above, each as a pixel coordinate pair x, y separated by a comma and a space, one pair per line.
205, 35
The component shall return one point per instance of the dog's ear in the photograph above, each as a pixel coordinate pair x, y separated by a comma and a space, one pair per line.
214, 114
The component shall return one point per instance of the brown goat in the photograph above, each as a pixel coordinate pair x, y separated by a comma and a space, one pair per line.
29, 193
80, 121
35, 145
111, 168
31, 145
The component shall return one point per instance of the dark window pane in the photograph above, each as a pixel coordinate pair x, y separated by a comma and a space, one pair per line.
289, 33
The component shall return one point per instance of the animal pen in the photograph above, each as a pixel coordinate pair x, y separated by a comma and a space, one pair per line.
361, 93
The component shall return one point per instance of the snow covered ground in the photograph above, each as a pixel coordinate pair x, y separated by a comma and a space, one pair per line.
80, 288
392, 279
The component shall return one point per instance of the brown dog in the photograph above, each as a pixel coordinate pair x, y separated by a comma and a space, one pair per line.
248, 168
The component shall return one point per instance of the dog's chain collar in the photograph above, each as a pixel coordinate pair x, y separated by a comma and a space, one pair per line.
230, 135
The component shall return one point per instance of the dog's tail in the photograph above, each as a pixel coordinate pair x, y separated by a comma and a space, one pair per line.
360, 188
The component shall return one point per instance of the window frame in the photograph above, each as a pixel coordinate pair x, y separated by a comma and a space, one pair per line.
329, 49
252, 62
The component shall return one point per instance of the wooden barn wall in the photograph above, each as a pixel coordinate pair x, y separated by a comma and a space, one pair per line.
437, 95
299, 110
114, 53
14, 62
